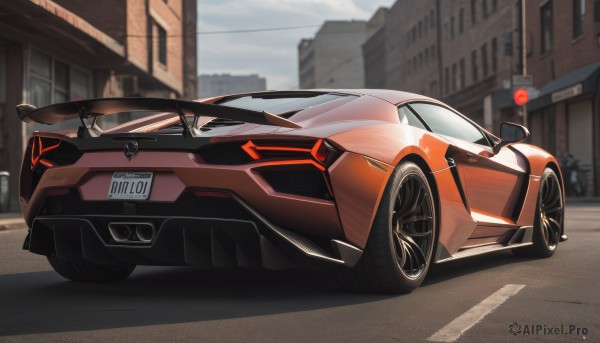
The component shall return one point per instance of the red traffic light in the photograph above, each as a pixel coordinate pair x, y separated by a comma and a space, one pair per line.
521, 96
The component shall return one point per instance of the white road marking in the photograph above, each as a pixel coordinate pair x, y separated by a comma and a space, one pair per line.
467, 320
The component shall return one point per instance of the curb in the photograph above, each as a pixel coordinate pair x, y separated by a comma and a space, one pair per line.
12, 223
582, 200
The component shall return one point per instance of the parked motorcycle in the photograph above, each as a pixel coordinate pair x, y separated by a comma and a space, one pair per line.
575, 177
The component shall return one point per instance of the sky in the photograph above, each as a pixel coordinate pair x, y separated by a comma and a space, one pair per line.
270, 54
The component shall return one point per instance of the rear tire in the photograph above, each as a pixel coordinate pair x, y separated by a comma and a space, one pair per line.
400, 246
549, 218
85, 271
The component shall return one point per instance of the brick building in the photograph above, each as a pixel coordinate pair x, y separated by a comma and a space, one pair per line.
563, 52
475, 68
412, 47
54, 51
451, 50
374, 50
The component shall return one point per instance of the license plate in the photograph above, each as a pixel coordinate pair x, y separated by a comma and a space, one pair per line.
130, 186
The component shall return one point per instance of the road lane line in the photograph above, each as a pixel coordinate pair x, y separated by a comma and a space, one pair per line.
467, 320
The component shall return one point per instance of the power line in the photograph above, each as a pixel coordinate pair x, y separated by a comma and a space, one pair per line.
270, 29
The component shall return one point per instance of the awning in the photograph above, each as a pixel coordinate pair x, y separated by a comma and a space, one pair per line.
582, 81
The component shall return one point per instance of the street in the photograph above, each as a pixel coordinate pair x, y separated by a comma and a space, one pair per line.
191, 305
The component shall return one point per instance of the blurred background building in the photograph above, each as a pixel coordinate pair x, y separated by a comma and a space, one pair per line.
563, 56
333, 58
466, 52
62, 50
219, 84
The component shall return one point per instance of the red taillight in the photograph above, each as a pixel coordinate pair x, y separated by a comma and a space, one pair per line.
40, 147
320, 154
250, 149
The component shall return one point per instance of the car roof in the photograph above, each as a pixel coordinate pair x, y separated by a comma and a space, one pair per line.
391, 96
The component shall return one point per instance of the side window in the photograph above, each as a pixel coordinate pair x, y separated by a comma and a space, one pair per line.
409, 118
448, 123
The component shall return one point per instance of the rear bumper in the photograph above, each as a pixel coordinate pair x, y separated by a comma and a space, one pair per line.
356, 185
203, 242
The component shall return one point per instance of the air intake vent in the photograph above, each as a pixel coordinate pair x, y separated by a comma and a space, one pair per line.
308, 183
225, 153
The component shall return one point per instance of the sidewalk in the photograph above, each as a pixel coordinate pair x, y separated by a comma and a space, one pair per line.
11, 221
582, 200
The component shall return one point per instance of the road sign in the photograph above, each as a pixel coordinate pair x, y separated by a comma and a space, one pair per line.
522, 80
521, 96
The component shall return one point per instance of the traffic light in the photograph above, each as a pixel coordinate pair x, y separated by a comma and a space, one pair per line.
521, 96
508, 43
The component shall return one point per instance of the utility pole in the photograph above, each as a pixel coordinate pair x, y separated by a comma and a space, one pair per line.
522, 57
524, 51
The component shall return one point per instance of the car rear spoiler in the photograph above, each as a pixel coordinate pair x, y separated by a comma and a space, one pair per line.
88, 111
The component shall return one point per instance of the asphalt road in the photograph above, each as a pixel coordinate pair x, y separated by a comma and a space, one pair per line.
191, 305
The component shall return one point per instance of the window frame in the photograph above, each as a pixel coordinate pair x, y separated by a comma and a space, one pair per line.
162, 42
52, 80
461, 21
417, 116
578, 18
547, 26
491, 139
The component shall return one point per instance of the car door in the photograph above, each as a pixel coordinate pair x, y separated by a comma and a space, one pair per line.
492, 183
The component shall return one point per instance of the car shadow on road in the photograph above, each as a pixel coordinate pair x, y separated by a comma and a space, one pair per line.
453, 269
43, 302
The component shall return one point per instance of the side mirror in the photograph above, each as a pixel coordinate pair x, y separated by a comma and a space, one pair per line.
510, 133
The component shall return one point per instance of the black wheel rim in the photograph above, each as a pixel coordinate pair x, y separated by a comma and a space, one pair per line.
551, 211
412, 226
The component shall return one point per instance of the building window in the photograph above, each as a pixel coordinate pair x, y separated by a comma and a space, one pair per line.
454, 78
452, 27
473, 12
431, 20
462, 78
432, 51
484, 60
414, 34
446, 81
547, 30
494, 55
420, 59
425, 24
61, 82
578, 17
2, 103
461, 21
52, 81
474, 65
494, 5
162, 45
484, 8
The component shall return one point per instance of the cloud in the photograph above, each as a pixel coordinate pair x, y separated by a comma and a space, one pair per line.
270, 54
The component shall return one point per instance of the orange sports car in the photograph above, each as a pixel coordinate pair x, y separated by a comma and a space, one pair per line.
376, 184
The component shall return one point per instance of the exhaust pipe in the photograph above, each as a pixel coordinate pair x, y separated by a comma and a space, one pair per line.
144, 232
127, 232
119, 232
